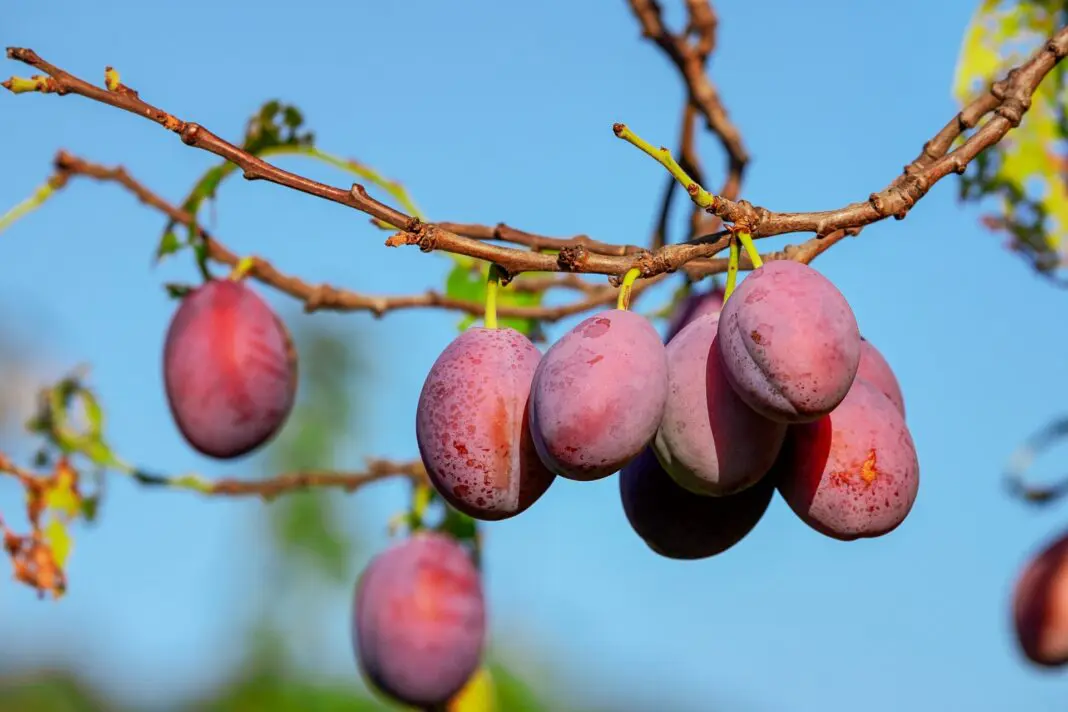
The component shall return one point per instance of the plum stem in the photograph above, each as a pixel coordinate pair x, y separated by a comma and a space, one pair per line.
701, 197
732, 269
492, 281
242, 269
751, 250
625, 287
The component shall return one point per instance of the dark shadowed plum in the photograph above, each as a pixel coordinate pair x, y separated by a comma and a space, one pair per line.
419, 620
679, 524
696, 304
229, 369
1040, 606
852, 474
875, 370
472, 424
598, 395
709, 440
789, 342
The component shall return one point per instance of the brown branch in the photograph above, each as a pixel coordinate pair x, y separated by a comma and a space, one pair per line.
538, 243
1008, 99
326, 297
691, 59
1012, 96
273, 487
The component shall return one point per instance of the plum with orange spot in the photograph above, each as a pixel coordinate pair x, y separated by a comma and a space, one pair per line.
419, 620
472, 424
229, 369
790, 342
851, 474
598, 395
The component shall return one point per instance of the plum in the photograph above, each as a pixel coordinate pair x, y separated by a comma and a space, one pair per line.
709, 440
419, 620
1040, 606
472, 424
598, 395
696, 304
875, 370
679, 524
229, 369
854, 473
790, 342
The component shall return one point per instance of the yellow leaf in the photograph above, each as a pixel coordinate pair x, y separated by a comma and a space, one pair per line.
979, 59
59, 541
478, 695
62, 496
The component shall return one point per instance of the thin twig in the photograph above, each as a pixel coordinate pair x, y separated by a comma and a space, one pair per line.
1011, 97
324, 297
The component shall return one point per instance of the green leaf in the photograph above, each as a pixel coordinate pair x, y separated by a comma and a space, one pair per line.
168, 245
90, 507
469, 284
178, 291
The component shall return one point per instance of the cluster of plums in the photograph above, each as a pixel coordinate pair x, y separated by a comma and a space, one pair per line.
773, 388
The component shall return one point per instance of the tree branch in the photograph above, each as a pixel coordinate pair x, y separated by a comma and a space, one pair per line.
690, 59
324, 297
1008, 98
273, 487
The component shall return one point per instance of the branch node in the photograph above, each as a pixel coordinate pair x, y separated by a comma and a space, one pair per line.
1013, 110
878, 202
426, 237
572, 258
189, 133
1058, 50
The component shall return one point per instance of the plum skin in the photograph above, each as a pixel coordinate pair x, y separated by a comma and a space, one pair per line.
875, 369
854, 473
709, 440
678, 524
790, 342
598, 395
693, 307
472, 424
419, 620
229, 369
1040, 606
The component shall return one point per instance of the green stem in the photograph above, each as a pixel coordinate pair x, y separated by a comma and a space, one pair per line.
32, 203
732, 269
751, 249
492, 282
701, 197
421, 496
623, 303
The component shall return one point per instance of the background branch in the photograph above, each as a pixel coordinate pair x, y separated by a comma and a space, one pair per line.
325, 297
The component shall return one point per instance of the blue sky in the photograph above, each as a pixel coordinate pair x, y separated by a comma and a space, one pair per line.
493, 111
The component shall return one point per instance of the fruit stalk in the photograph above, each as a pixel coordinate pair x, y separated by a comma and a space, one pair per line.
732, 269
492, 282
625, 288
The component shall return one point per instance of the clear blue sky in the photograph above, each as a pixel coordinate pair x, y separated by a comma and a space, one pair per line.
502, 111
